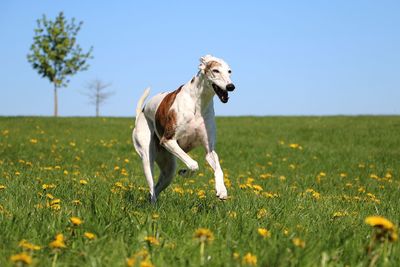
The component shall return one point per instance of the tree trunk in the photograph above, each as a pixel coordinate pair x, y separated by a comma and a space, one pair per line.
97, 105
55, 101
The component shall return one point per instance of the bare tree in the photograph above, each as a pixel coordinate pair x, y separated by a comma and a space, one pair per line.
97, 93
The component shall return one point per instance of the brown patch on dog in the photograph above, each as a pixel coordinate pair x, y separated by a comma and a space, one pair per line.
212, 64
165, 117
192, 81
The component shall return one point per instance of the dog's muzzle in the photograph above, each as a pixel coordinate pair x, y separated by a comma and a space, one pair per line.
230, 87
221, 93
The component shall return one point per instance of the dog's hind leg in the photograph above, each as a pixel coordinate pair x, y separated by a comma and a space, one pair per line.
167, 164
143, 140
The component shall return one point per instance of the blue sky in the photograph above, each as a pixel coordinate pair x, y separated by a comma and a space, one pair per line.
287, 57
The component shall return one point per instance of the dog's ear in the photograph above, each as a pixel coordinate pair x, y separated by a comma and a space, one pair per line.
203, 63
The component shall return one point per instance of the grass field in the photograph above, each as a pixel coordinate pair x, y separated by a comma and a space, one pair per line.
299, 191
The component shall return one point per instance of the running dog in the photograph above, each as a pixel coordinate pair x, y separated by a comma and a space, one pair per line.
173, 123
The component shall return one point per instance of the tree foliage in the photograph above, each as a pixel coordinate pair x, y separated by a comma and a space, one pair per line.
55, 53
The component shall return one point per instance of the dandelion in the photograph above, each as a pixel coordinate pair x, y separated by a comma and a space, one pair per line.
261, 213
146, 263
151, 240
2, 187
48, 186
75, 221
232, 214
178, 190
55, 204
380, 222
29, 246
386, 227
142, 255
257, 187
83, 182
294, 146
250, 259
204, 236
89, 235
201, 194
339, 214
264, 232
58, 242
76, 202
298, 242
286, 232
21, 258
33, 141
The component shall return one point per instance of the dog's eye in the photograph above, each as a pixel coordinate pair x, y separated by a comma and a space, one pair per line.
229, 71
215, 71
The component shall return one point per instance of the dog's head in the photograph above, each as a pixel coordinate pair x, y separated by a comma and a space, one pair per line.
218, 74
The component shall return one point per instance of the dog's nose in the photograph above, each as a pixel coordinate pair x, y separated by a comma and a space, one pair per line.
230, 87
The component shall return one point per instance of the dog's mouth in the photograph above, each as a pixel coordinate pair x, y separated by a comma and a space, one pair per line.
222, 94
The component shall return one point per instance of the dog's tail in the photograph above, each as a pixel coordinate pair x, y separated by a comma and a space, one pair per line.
141, 101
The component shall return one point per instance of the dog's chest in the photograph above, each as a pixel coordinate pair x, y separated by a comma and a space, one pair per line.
191, 134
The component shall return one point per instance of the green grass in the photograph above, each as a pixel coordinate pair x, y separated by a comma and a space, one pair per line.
342, 164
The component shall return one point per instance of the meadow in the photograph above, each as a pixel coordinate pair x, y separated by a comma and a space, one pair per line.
72, 193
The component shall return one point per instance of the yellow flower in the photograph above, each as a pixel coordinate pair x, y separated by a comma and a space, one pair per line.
204, 235
179, 190
339, 214
286, 231
379, 222
264, 232
48, 186
58, 242
261, 213
33, 141
152, 240
294, 146
250, 259
232, 214
146, 263
76, 202
89, 235
83, 182
298, 242
130, 262
257, 187
75, 221
29, 246
22, 258
2, 186
201, 194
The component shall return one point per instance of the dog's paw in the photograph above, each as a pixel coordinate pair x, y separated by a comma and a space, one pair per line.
193, 166
222, 193
152, 198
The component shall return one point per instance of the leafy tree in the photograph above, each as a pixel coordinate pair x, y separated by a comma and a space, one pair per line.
97, 94
55, 54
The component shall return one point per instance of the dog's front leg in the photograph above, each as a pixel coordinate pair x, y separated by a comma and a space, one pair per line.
173, 147
212, 159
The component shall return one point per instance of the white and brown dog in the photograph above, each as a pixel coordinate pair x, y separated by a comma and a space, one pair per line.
173, 123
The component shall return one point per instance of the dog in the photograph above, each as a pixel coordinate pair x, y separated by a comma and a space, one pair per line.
172, 123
